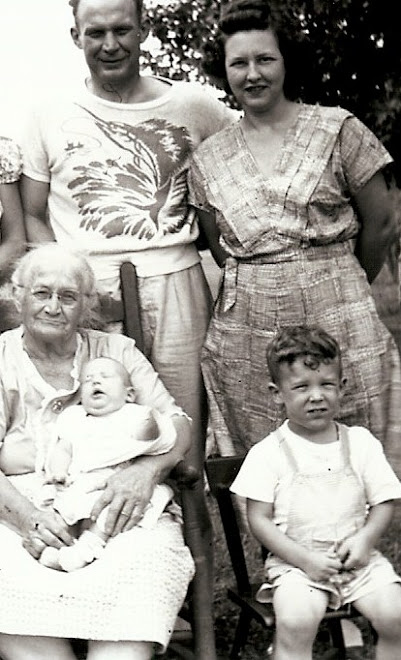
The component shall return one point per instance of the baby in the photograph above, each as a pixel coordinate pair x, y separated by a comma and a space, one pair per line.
94, 439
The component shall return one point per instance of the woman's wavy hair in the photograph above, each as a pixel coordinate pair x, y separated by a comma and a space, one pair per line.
311, 343
76, 263
246, 15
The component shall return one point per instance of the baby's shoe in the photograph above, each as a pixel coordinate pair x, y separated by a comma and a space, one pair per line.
85, 550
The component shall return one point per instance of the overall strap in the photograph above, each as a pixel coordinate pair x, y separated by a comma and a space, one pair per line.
343, 436
343, 433
287, 450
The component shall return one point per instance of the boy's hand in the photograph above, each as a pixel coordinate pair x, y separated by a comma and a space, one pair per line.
354, 552
321, 567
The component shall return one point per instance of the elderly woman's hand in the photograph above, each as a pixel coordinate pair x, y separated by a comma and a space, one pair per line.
44, 528
127, 493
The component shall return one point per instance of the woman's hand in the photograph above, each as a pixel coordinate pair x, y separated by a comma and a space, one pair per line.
126, 493
42, 529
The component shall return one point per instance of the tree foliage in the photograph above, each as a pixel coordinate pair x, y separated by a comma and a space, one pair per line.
356, 51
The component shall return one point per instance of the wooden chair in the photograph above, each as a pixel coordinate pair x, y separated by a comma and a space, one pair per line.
198, 607
221, 473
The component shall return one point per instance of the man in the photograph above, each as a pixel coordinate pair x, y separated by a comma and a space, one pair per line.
105, 172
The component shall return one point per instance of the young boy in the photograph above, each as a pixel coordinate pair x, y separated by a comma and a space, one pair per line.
319, 497
94, 439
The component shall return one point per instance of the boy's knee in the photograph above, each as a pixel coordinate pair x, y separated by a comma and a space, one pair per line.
388, 624
295, 627
298, 608
386, 617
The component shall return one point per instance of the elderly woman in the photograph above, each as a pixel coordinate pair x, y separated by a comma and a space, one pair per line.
126, 602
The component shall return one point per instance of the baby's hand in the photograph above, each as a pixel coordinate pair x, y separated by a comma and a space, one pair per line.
56, 477
321, 567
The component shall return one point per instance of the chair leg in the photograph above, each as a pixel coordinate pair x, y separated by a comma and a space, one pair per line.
241, 634
337, 637
193, 504
373, 635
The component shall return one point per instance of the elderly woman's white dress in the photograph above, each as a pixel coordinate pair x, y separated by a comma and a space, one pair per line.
135, 590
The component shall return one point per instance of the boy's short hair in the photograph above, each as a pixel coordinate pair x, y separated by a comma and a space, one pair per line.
311, 342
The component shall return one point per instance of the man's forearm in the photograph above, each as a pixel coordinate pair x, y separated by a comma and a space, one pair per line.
37, 230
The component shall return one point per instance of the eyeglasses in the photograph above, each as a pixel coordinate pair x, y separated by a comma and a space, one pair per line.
66, 297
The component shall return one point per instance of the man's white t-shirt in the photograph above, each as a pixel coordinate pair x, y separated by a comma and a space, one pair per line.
117, 175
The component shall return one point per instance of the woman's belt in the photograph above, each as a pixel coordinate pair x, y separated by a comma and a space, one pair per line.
305, 251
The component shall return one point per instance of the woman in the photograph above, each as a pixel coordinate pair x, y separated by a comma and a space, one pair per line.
297, 194
12, 242
127, 601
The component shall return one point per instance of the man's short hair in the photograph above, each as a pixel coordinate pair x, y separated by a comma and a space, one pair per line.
75, 4
312, 343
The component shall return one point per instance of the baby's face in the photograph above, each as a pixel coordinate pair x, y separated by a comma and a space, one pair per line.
103, 387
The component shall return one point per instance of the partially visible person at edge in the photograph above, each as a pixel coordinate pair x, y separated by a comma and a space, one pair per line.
297, 211
127, 601
12, 243
111, 164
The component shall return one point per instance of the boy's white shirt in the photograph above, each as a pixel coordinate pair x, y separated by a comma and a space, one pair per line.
266, 472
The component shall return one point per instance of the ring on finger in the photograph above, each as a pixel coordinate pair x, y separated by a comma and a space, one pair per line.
126, 515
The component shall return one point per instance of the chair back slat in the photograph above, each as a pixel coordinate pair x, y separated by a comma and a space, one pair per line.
130, 298
222, 470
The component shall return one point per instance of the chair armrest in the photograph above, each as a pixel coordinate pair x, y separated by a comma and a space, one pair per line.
186, 476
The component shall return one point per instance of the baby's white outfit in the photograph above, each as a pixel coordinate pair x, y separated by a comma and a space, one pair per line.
101, 446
